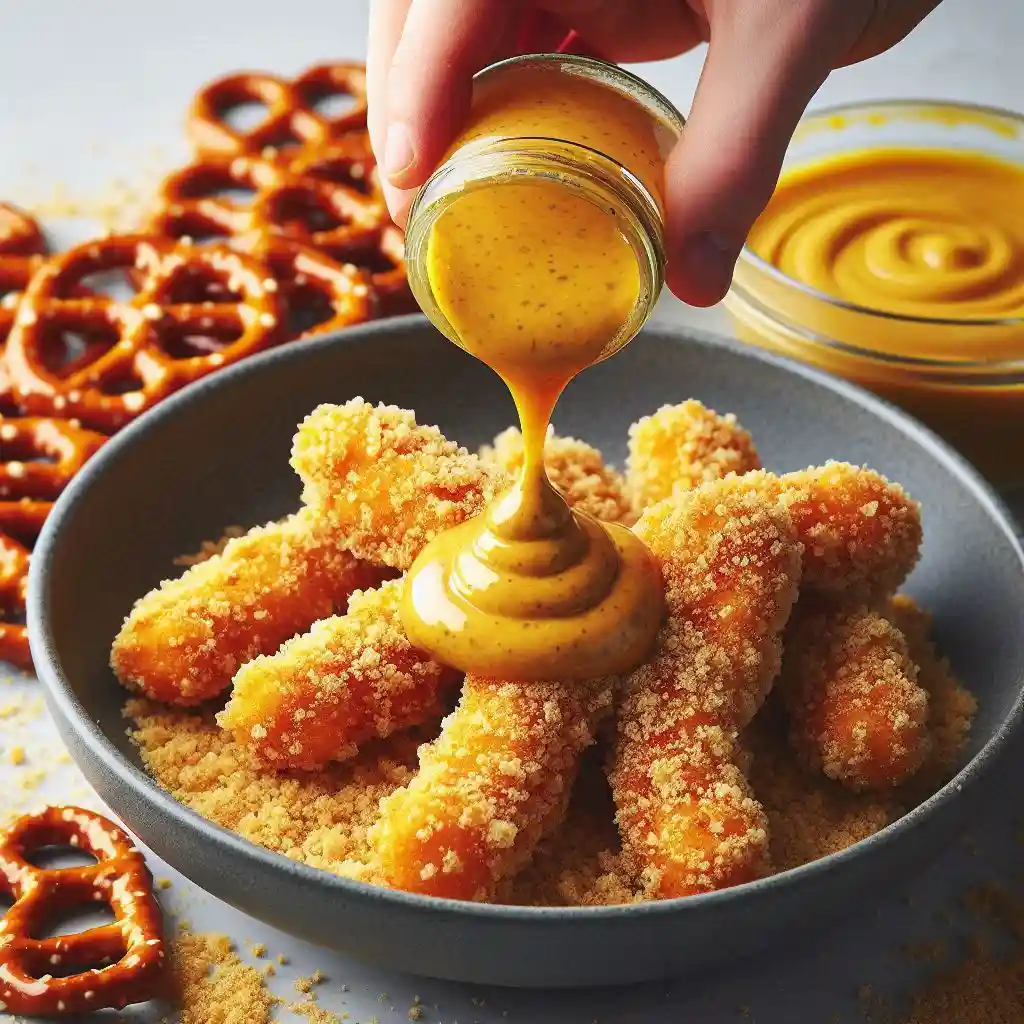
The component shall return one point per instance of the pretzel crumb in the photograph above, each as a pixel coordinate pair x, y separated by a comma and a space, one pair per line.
306, 985
212, 985
986, 985
315, 1014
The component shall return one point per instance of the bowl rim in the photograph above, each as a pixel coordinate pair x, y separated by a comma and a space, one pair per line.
757, 263
162, 803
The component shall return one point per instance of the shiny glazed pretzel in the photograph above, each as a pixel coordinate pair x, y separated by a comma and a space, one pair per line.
22, 251
291, 110
328, 198
311, 282
195, 310
120, 962
38, 458
309, 199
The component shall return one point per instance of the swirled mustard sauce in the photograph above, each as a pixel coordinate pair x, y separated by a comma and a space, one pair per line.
538, 281
913, 232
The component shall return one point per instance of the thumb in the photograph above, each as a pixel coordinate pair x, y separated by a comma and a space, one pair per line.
764, 63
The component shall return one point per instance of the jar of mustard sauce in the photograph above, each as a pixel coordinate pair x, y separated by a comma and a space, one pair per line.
892, 254
597, 137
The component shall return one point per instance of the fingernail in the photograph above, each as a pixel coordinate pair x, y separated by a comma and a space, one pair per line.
704, 267
398, 152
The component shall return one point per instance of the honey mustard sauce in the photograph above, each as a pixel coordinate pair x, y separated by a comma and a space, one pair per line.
914, 232
537, 280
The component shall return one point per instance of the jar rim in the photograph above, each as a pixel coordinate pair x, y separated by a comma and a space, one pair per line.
636, 208
600, 70
761, 265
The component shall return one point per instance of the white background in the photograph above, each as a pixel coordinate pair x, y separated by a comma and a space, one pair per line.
95, 92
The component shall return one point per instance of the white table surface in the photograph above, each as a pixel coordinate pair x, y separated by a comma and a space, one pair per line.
95, 92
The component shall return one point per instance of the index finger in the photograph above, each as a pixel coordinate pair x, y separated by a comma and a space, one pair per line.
422, 87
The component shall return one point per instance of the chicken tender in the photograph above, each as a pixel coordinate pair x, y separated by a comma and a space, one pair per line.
679, 447
688, 820
350, 679
384, 485
575, 468
861, 534
489, 788
857, 712
183, 642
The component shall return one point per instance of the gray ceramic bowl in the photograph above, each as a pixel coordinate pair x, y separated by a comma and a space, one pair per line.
217, 455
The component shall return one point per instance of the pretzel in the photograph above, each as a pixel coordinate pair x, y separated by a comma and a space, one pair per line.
350, 163
312, 282
20, 235
291, 115
307, 199
385, 263
22, 251
26, 442
138, 351
338, 182
125, 957
28, 487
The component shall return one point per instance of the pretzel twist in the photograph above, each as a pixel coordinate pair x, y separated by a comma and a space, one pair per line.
312, 283
136, 351
38, 458
328, 198
22, 253
120, 962
291, 115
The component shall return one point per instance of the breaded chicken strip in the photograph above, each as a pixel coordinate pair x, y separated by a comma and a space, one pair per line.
575, 468
857, 712
384, 485
351, 678
688, 820
680, 447
183, 642
490, 787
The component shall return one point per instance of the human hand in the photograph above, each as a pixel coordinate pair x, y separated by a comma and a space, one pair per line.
765, 61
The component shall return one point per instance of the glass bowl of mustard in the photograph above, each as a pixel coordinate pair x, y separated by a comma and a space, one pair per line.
892, 254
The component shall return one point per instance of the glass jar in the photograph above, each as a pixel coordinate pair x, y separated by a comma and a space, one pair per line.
962, 377
590, 127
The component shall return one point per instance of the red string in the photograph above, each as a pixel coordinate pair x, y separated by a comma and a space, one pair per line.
537, 28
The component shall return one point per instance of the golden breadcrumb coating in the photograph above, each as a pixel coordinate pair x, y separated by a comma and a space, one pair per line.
325, 693
682, 446
861, 534
951, 706
687, 817
857, 712
183, 642
384, 485
495, 781
575, 468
